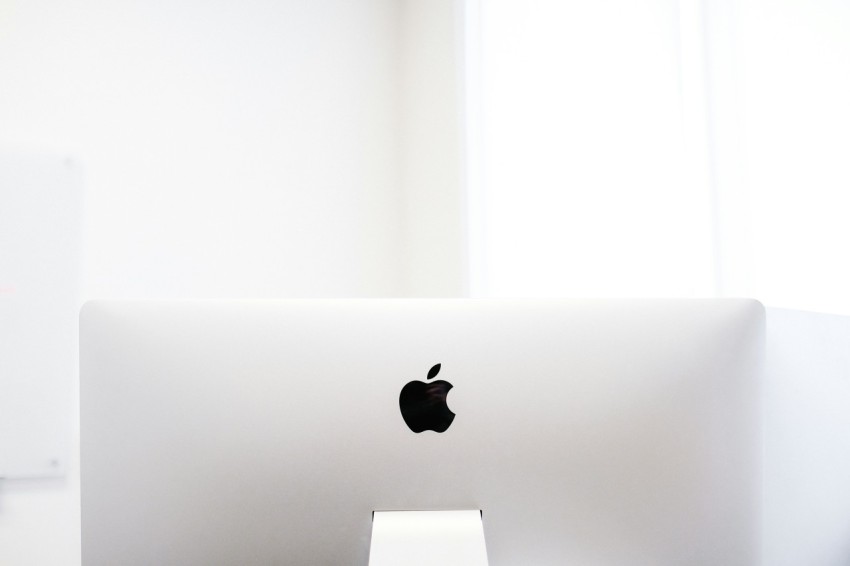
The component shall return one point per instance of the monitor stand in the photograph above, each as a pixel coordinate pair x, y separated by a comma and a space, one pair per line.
420, 538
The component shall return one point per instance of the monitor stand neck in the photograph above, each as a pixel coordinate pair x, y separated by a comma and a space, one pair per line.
420, 538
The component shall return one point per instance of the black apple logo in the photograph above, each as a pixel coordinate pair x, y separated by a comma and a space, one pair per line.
423, 405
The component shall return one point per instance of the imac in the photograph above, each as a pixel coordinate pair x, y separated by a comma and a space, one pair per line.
590, 432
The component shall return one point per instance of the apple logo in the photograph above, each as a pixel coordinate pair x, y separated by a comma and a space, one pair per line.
423, 405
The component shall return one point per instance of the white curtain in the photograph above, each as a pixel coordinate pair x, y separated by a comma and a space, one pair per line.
660, 148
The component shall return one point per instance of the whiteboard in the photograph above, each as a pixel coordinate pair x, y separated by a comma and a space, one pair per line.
40, 232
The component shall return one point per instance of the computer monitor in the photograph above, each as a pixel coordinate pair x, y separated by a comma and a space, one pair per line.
587, 432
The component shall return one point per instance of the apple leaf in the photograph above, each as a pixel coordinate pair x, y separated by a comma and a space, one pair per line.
434, 371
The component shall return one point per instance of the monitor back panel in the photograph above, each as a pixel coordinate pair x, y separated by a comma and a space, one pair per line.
587, 432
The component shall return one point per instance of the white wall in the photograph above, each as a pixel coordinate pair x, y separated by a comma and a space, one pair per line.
244, 148
231, 148
806, 453
431, 165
